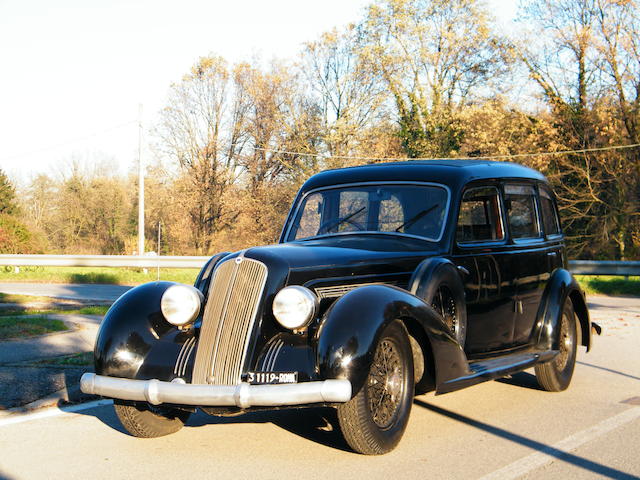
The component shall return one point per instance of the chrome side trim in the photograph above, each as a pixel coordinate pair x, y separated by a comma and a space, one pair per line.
183, 357
242, 395
340, 290
272, 354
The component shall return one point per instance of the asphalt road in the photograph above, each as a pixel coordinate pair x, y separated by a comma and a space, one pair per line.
502, 429
68, 291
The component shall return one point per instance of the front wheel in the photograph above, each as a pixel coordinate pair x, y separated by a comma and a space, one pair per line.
555, 376
374, 421
142, 420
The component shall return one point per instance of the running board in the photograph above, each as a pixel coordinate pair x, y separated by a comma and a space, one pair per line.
483, 370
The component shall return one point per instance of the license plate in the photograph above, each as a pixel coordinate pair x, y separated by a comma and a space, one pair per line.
258, 378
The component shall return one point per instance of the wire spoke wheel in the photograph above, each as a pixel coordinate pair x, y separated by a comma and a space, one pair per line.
565, 344
555, 376
444, 303
385, 384
374, 420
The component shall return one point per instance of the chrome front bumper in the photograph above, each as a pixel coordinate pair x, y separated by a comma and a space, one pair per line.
243, 395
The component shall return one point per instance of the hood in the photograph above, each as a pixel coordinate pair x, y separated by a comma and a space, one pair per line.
347, 260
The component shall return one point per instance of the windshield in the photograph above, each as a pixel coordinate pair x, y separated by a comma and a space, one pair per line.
417, 210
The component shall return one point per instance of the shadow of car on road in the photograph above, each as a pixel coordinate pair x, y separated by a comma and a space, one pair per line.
319, 425
581, 462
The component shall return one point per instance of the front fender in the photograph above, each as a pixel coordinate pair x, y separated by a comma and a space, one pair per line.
561, 285
350, 331
135, 341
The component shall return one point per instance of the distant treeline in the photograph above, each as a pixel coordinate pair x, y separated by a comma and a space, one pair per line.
412, 79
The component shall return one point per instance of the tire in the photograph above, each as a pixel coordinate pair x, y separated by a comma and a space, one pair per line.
143, 421
444, 291
555, 376
374, 421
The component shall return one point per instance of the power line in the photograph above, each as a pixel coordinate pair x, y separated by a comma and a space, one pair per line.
70, 141
489, 157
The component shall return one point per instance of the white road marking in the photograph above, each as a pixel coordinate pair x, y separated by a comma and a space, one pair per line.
51, 412
539, 459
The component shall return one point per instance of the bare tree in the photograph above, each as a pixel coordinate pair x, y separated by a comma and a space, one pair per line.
434, 56
578, 63
194, 132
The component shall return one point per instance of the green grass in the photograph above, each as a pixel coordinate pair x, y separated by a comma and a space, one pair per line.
91, 310
18, 327
31, 305
75, 360
106, 275
23, 299
609, 285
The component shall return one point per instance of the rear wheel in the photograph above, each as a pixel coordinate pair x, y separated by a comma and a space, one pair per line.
145, 421
374, 421
555, 376
443, 290
444, 302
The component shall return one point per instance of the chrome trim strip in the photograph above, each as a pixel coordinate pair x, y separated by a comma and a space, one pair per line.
178, 364
359, 184
242, 395
276, 352
186, 358
337, 291
272, 353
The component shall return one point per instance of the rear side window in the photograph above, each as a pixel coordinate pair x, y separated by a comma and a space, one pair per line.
520, 201
549, 213
479, 219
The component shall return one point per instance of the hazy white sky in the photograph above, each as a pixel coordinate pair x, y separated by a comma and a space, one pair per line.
75, 69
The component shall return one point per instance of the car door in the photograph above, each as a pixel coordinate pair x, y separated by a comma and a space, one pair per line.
529, 256
480, 247
552, 230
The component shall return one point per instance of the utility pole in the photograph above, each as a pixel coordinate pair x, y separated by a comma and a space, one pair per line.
140, 186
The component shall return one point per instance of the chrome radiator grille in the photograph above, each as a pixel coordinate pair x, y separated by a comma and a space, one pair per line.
232, 306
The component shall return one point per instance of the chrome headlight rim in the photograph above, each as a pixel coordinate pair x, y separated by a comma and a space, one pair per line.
181, 304
294, 307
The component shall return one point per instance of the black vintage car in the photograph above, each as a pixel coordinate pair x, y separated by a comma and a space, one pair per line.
389, 280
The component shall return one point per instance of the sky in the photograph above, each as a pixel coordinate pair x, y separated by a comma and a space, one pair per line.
74, 72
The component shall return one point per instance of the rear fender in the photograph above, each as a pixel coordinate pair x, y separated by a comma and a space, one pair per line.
351, 328
561, 285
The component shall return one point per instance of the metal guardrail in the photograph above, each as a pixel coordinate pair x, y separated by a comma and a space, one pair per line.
591, 267
145, 261
579, 267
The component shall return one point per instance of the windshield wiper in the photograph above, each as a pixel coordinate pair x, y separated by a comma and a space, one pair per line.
417, 217
340, 221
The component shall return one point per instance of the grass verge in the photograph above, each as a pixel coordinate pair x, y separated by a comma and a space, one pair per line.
104, 275
92, 310
75, 360
609, 285
24, 327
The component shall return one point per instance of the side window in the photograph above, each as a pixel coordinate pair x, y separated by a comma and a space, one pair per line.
520, 201
549, 213
479, 219
310, 220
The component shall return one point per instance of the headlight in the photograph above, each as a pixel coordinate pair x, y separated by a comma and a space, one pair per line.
295, 306
180, 304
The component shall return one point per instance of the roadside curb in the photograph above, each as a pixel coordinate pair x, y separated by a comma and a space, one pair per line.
60, 399
20, 417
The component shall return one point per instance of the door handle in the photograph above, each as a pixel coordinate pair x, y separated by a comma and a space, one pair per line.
518, 307
462, 270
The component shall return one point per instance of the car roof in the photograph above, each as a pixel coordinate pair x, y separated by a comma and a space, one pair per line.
453, 173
